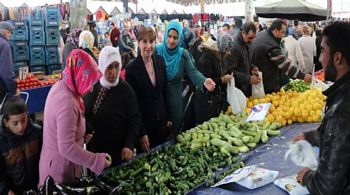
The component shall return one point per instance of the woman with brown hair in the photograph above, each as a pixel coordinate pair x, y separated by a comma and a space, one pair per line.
147, 76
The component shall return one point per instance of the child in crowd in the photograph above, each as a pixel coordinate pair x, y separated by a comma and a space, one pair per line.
20, 146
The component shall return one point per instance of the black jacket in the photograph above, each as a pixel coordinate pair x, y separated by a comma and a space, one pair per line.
117, 121
153, 100
19, 159
239, 64
266, 53
333, 172
208, 104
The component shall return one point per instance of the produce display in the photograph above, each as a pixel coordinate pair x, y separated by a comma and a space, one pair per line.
172, 170
291, 106
32, 82
193, 160
230, 134
296, 85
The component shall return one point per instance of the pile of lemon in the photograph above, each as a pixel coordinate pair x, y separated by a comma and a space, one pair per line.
291, 106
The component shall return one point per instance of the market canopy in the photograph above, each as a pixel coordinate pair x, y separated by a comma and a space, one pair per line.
292, 9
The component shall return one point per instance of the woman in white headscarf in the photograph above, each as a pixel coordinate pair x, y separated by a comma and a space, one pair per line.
86, 42
112, 113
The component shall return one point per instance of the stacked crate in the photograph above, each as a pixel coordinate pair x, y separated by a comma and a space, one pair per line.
37, 41
52, 36
19, 44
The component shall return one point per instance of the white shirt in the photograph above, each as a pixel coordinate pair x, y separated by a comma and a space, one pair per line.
308, 48
294, 52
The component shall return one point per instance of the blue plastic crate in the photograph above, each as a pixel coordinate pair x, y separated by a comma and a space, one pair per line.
52, 36
37, 35
20, 64
37, 68
52, 16
20, 51
51, 68
20, 24
52, 55
37, 55
36, 17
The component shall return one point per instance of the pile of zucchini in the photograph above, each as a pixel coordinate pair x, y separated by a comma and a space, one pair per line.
200, 153
229, 133
174, 169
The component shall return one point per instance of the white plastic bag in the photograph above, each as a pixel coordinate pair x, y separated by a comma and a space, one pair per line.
291, 185
302, 154
258, 89
319, 84
236, 98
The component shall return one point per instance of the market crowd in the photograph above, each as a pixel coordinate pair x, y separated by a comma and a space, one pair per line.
107, 109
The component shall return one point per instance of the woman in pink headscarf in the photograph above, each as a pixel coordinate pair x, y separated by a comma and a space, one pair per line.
62, 155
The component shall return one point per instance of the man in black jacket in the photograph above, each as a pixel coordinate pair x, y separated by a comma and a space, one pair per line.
238, 61
332, 175
266, 53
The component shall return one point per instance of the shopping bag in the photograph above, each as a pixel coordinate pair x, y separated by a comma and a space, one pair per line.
302, 154
235, 97
316, 83
258, 89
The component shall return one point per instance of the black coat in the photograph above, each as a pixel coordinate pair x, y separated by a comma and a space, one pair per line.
239, 64
333, 172
19, 159
153, 100
209, 104
117, 121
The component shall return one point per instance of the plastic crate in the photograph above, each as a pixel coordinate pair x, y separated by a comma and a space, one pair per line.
20, 64
38, 68
52, 36
21, 30
20, 24
52, 55
20, 51
52, 16
37, 35
51, 68
36, 17
37, 55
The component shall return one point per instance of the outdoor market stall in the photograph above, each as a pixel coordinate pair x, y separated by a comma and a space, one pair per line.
269, 156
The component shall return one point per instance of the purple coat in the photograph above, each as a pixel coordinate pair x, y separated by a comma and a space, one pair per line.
62, 155
7, 75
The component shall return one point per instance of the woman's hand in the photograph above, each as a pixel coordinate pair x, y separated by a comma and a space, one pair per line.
209, 84
127, 154
144, 143
108, 160
87, 138
226, 78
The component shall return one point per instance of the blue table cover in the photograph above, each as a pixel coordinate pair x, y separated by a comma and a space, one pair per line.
268, 156
37, 98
